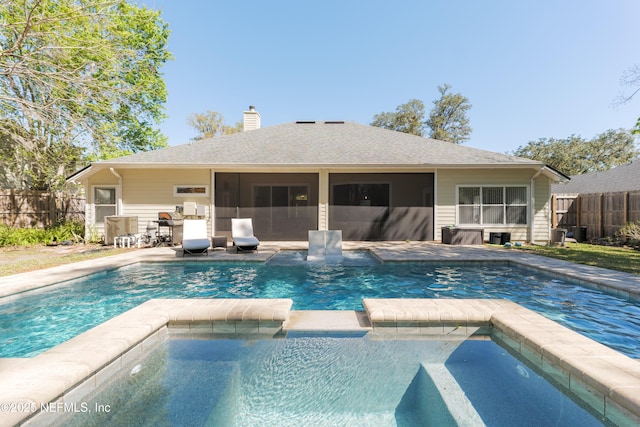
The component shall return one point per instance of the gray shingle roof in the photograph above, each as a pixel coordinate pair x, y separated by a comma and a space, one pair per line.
621, 178
321, 143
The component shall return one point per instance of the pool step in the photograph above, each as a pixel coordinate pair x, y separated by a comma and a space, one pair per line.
327, 321
454, 398
434, 398
327, 381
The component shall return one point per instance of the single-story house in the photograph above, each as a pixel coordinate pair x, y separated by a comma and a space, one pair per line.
621, 178
369, 182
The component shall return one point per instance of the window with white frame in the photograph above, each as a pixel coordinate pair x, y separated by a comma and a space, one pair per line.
104, 203
492, 205
190, 190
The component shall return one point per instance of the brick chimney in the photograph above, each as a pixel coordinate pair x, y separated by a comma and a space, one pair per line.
251, 119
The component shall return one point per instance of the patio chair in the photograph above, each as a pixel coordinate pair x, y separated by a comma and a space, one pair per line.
194, 237
242, 235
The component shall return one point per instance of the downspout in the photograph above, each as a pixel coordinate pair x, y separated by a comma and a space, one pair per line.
87, 206
532, 197
118, 192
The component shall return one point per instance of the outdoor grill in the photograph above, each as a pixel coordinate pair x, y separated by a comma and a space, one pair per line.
165, 219
173, 229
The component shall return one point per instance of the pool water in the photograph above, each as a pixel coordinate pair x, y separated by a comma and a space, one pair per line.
39, 321
328, 381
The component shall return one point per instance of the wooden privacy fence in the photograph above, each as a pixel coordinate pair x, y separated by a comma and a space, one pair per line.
28, 209
602, 213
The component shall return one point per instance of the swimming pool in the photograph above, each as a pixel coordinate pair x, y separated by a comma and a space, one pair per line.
330, 380
52, 316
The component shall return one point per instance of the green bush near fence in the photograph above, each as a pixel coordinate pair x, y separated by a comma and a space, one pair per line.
59, 233
630, 234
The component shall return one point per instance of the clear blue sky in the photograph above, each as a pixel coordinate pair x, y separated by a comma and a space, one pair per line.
543, 68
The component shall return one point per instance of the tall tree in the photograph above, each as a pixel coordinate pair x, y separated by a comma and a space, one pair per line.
448, 119
78, 78
575, 155
210, 124
408, 118
631, 78
237, 127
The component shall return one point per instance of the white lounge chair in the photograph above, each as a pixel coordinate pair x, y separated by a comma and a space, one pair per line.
242, 235
194, 237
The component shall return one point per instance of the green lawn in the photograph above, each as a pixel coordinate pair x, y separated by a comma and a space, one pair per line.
614, 258
24, 259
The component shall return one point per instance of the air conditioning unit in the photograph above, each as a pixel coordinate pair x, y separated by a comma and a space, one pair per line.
119, 225
189, 209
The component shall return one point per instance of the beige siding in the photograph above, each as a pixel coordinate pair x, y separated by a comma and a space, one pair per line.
542, 219
448, 179
145, 192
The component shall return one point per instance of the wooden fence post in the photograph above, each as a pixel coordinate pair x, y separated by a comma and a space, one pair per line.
600, 221
52, 209
625, 208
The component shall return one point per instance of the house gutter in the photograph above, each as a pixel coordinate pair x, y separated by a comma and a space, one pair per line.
74, 178
118, 191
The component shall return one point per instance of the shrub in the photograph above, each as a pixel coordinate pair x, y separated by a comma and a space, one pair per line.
631, 234
10, 236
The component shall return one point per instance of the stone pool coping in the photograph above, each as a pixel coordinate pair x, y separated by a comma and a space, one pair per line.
605, 379
59, 374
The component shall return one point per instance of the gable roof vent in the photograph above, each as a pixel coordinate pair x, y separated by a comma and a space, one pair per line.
334, 122
303, 122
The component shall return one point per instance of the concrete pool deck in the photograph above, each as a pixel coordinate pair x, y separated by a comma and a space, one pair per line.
606, 379
623, 285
